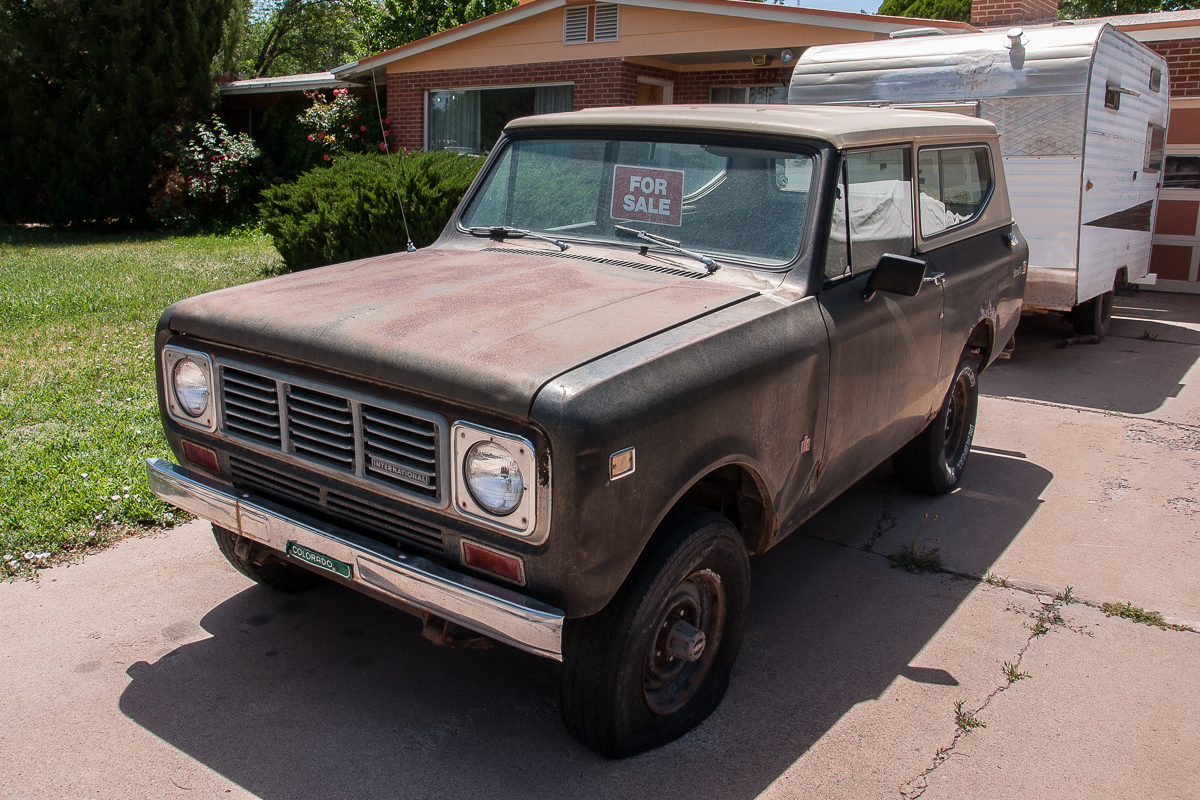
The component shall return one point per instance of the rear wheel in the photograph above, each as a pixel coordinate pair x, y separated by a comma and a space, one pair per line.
267, 569
934, 461
1091, 318
656, 661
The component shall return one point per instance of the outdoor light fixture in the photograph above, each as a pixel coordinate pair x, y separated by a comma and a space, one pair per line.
786, 55
760, 60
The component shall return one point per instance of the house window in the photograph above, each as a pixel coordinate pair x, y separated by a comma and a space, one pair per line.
748, 94
1182, 172
593, 23
470, 120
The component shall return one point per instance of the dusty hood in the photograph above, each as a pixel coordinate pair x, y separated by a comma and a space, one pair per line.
485, 328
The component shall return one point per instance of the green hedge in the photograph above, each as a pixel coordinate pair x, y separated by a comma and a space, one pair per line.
348, 210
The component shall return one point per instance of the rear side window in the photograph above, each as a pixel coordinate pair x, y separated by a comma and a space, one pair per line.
955, 184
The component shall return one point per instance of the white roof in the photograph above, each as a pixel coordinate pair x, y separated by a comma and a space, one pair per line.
306, 82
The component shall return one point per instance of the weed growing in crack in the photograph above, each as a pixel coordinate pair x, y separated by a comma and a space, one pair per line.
1047, 618
1013, 673
966, 720
1066, 597
995, 580
915, 557
1147, 336
1131, 612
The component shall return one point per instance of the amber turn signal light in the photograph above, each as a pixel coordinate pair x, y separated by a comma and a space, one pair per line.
201, 456
493, 561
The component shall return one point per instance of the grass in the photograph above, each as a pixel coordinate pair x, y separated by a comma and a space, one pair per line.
966, 720
1013, 673
915, 557
78, 414
1131, 612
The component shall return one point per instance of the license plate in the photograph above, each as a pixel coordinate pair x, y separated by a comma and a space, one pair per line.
319, 560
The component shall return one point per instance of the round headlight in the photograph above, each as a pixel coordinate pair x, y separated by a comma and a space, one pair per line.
191, 387
494, 478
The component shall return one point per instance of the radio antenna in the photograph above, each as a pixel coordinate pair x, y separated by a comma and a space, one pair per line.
387, 150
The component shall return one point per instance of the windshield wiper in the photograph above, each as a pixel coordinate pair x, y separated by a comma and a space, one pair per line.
507, 230
671, 244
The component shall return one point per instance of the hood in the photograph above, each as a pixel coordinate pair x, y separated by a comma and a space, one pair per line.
484, 328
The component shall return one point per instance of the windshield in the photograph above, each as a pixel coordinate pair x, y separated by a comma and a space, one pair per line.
733, 202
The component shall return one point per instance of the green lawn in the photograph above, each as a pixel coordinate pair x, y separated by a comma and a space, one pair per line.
78, 414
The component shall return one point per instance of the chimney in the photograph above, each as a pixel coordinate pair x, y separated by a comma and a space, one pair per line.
998, 13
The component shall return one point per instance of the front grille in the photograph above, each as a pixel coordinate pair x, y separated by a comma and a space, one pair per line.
321, 426
251, 405
396, 449
376, 522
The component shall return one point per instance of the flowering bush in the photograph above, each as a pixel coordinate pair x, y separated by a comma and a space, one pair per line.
344, 124
214, 175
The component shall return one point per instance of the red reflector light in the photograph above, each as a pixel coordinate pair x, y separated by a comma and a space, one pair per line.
201, 456
497, 563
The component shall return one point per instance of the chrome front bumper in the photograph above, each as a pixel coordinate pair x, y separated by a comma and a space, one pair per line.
477, 605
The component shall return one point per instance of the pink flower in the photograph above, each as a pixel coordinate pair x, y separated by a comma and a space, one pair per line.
387, 134
310, 137
326, 156
356, 116
383, 145
362, 127
387, 121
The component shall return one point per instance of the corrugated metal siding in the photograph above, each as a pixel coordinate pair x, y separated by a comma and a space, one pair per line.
1054, 61
1114, 154
1044, 192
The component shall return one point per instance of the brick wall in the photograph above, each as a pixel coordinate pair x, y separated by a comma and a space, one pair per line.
1183, 61
994, 13
598, 83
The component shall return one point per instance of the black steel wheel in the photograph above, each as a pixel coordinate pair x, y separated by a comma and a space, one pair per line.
934, 461
655, 662
1091, 318
264, 567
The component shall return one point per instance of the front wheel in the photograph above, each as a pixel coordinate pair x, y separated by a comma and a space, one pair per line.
655, 662
934, 461
269, 570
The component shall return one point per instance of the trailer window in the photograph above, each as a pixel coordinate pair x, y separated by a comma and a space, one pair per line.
955, 184
1155, 140
1182, 172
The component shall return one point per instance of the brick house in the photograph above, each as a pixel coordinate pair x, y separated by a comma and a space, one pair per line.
456, 89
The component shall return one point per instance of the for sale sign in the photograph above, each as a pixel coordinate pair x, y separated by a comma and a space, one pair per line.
648, 194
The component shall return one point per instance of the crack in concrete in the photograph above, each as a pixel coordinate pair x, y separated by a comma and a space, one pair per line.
1050, 616
1101, 411
886, 521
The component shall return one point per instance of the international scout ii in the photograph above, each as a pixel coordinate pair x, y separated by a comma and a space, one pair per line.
651, 342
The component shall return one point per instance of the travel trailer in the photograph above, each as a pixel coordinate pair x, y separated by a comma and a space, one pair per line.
1082, 114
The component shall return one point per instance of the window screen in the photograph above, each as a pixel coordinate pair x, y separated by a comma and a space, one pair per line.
955, 184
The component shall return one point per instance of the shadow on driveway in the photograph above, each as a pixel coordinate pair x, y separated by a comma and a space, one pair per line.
1133, 370
332, 695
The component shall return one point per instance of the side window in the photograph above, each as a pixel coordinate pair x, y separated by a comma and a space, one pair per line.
879, 206
1156, 136
955, 184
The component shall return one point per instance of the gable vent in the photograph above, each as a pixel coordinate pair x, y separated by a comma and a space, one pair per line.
575, 25
591, 23
606, 22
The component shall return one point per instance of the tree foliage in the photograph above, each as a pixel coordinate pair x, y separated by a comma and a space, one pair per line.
1087, 9
83, 85
286, 37
405, 21
958, 10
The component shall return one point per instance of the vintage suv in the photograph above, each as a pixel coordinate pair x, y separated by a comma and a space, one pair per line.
650, 342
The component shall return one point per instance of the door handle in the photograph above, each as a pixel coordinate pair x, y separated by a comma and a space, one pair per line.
937, 278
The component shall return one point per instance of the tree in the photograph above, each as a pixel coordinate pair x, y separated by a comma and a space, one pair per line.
405, 21
83, 85
958, 10
1088, 9
285, 37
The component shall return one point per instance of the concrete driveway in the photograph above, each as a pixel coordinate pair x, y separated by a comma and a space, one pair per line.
154, 670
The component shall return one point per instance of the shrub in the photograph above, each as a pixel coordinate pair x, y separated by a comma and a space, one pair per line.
345, 124
213, 175
348, 210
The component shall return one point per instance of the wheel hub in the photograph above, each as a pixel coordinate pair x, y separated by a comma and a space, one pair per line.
684, 642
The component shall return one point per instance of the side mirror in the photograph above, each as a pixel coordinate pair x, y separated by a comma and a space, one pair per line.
895, 274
